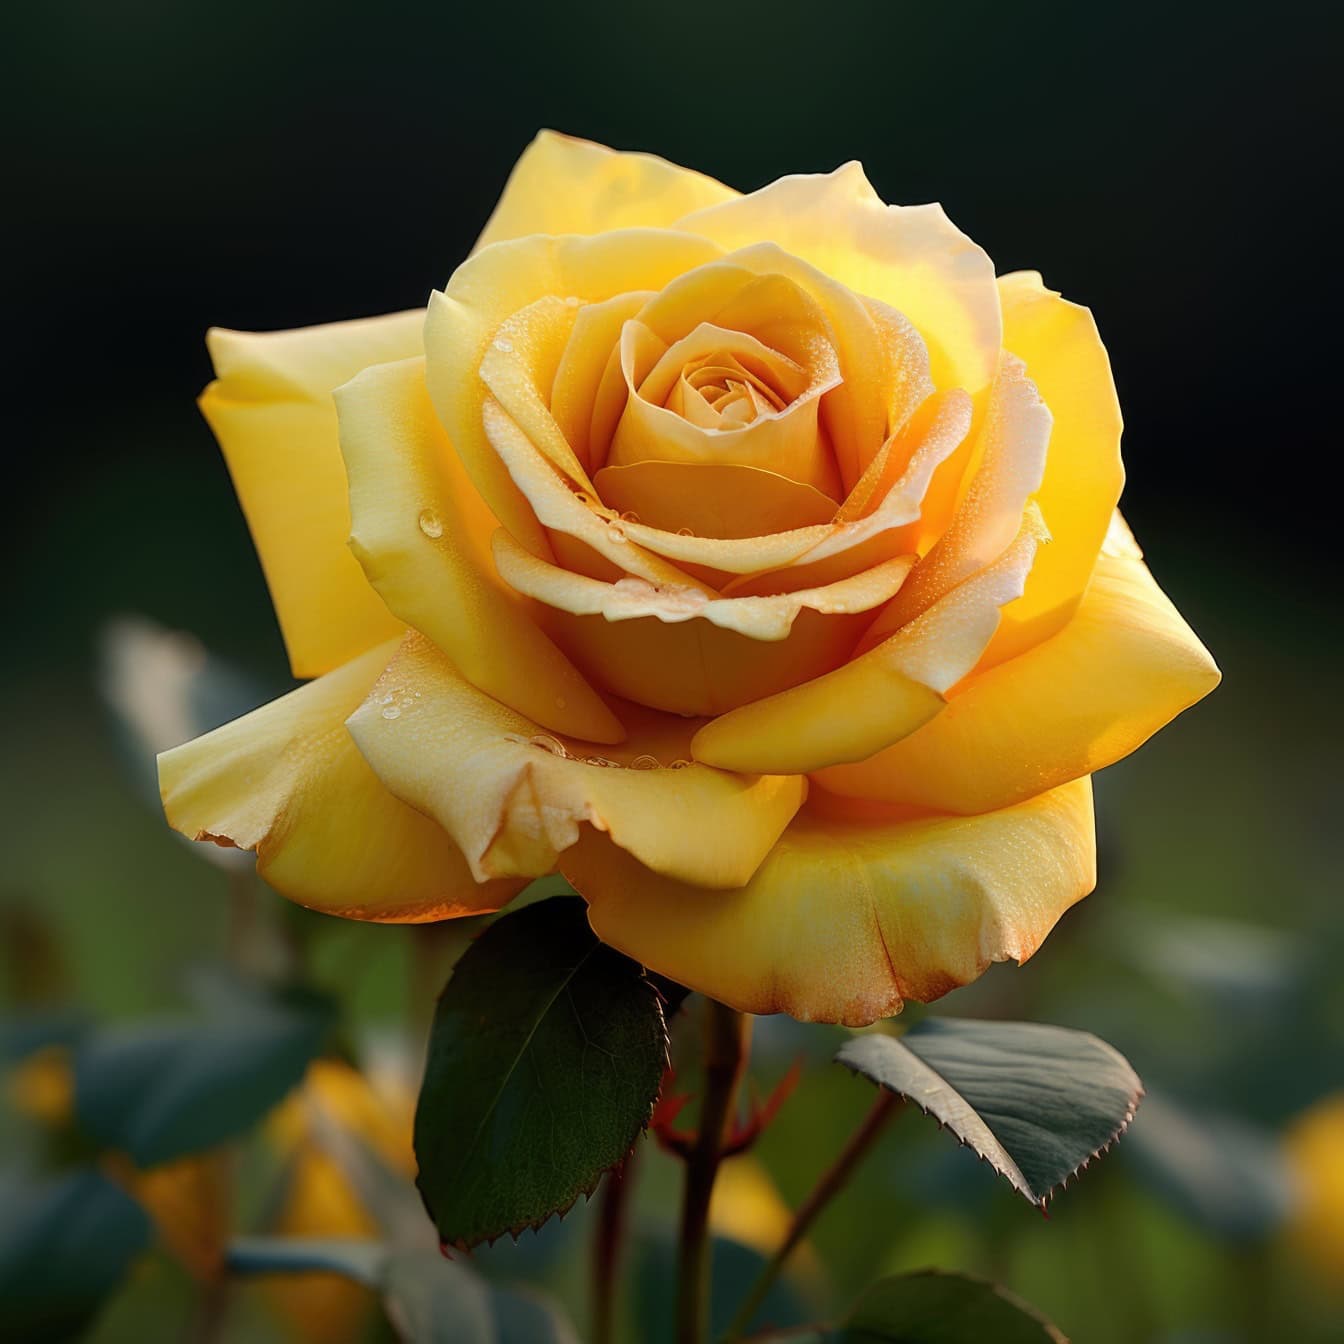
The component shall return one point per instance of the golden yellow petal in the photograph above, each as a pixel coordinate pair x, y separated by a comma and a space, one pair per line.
595, 336
910, 258
515, 799
881, 696
288, 782
1124, 666
271, 409
1083, 472
712, 500
848, 918
423, 536
565, 185
488, 288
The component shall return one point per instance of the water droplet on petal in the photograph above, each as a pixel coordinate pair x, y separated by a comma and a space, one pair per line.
505, 347
431, 524
391, 712
573, 301
560, 702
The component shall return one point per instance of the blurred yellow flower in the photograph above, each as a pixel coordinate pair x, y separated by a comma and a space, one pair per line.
1315, 1146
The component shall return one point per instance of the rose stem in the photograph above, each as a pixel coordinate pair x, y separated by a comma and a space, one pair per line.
726, 1036
831, 1181
613, 1205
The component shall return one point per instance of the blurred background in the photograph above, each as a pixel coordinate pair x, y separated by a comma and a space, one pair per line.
258, 165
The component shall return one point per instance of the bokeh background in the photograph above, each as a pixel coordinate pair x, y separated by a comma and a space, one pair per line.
257, 165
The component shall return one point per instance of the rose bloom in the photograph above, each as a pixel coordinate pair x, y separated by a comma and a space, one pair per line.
752, 560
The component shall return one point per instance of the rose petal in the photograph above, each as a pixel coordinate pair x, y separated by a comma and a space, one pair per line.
287, 782
514, 804
880, 696
911, 258
423, 536
1124, 666
846, 919
1083, 472
715, 500
565, 185
270, 408
760, 618
504, 279
1012, 445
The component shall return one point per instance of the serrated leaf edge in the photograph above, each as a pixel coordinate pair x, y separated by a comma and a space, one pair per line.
1131, 1109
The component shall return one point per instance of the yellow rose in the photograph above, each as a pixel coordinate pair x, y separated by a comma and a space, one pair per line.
697, 549
1315, 1148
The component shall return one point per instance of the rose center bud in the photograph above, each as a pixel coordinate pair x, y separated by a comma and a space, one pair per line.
721, 431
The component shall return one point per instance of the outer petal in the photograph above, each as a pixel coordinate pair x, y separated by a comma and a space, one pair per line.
880, 696
1083, 472
271, 410
1122, 668
846, 919
515, 800
564, 185
423, 536
287, 782
911, 258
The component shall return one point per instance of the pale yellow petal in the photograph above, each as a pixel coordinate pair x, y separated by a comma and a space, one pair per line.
514, 800
271, 409
1083, 472
910, 258
761, 618
1011, 446
881, 696
846, 919
288, 782
565, 185
423, 536
1124, 666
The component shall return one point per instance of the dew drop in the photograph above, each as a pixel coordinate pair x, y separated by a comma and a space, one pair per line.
561, 702
504, 347
685, 532
391, 712
431, 524
573, 301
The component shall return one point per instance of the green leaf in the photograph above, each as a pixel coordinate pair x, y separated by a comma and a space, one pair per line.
1036, 1102
161, 1090
432, 1300
932, 1307
545, 1058
428, 1298
1223, 1174
65, 1246
354, 1258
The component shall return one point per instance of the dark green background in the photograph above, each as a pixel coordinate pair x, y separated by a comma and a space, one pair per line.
176, 165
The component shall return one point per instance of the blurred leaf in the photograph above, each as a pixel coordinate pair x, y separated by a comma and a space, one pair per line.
523, 1316
545, 1058
1246, 967
734, 1268
163, 689
161, 1090
429, 1299
64, 1247
1229, 1178
354, 1258
1036, 1102
933, 1307
26, 1033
